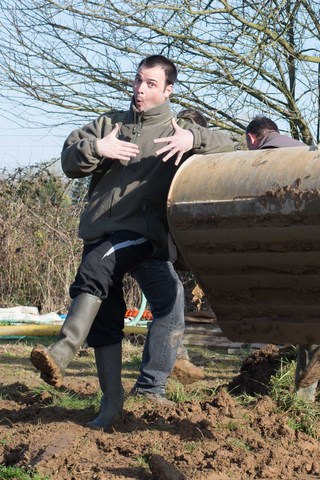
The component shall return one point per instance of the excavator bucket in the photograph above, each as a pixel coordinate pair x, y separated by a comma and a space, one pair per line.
248, 226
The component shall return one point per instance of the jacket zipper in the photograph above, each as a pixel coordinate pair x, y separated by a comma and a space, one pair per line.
137, 128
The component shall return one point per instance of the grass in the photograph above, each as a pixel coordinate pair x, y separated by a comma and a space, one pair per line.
240, 444
303, 415
133, 362
232, 426
245, 399
191, 446
142, 461
16, 473
4, 441
29, 340
176, 392
68, 399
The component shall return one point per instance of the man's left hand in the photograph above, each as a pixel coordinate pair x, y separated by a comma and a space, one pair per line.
178, 144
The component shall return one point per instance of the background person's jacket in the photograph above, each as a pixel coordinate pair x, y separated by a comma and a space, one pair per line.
276, 140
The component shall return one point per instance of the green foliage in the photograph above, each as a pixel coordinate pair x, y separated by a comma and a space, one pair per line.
16, 473
303, 415
68, 399
142, 461
241, 444
135, 360
232, 426
79, 190
245, 399
191, 446
39, 246
177, 393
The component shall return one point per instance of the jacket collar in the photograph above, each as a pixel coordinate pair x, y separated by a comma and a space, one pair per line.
155, 116
269, 140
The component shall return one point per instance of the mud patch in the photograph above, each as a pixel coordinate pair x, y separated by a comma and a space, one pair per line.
215, 439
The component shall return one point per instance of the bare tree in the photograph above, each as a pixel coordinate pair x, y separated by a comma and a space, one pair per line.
235, 58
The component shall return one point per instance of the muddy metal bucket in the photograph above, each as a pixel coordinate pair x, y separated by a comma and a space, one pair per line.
248, 226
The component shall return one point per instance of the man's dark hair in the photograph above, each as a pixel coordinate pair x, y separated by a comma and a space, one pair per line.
194, 115
260, 126
169, 67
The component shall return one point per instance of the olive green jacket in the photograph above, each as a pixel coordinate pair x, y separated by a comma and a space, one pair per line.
131, 195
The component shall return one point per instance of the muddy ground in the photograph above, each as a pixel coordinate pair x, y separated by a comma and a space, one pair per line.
211, 438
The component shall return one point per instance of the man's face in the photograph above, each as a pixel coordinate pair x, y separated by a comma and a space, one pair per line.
150, 88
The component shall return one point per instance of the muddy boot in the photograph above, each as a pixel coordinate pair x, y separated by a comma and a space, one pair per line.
307, 371
52, 361
186, 372
156, 398
109, 360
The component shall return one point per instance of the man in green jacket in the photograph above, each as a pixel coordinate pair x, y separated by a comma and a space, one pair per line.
124, 222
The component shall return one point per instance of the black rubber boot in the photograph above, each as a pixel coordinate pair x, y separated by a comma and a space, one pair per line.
109, 363
52, 361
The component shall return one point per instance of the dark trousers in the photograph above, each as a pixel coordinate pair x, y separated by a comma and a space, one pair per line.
101, 273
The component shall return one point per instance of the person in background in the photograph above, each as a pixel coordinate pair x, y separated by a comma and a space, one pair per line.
124, 222
158, 280
263, 133
195, 116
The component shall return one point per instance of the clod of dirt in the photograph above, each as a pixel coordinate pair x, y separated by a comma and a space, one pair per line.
42, 360
13, 455
257, 370
163, 470
224, 403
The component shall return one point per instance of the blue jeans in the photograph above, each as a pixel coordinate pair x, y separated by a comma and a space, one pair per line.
164, 292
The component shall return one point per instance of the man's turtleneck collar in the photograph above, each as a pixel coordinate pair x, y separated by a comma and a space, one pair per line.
154, 116
269, 139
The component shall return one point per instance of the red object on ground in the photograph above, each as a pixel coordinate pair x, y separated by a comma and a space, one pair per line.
133, 312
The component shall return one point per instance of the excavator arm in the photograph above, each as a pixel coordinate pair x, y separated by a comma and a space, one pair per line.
248, 226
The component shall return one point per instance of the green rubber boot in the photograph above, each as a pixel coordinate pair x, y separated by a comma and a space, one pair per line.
109, 363
52, 361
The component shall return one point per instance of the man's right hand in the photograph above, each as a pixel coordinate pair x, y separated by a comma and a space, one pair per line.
111, 147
